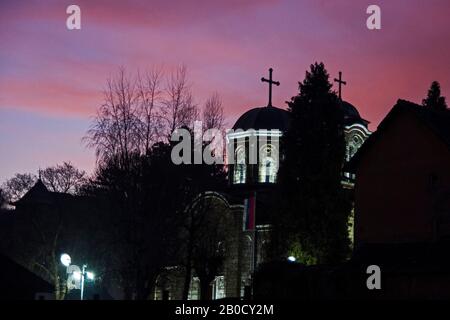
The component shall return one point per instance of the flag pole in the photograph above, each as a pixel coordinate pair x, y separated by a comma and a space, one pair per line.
255, 243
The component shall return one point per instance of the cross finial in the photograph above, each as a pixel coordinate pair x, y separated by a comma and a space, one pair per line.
271, 82
341, 82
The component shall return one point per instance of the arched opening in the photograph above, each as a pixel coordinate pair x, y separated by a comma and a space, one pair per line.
240, 166
268, 165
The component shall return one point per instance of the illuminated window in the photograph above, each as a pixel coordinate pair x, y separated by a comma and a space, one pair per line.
353, 145
219, 287
268, 167
240, 167
194, 290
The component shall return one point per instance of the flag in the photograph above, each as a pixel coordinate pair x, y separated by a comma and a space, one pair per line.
249, 213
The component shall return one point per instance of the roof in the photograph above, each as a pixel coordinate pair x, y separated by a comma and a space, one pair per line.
39, 194
437, 120
264, 118
351, 114
38, 191
276, 118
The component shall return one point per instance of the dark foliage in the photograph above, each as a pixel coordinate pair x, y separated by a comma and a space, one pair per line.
313, 221
147, 201
2, 199
434, 99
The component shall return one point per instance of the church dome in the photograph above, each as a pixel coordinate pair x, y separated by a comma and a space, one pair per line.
350, 110
263, 118
276, 118
351, 114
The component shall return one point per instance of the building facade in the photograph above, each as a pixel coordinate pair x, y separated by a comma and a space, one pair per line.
405, 165
254, 155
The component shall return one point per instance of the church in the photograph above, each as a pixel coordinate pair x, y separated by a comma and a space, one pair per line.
253, 147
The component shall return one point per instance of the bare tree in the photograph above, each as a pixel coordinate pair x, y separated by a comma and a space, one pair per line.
137, 112
115, 131
179, 108
17, 186
63, 178
213, 116
150, 97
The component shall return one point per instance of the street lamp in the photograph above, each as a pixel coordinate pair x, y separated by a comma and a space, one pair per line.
291, 258
76, 274
65, 259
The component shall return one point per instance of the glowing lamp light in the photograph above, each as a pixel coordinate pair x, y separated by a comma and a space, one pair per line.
291, 258
65, 259
76, 275
90, 275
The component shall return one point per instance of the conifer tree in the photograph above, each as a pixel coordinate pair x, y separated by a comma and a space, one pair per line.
316, 210
434, 99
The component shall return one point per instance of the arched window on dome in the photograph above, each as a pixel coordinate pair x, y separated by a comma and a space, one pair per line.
268, 167
240, 167
353, 144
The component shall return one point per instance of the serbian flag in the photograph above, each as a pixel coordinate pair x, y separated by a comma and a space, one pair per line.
249, 213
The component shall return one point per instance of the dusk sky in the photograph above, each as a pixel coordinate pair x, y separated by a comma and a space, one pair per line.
51, 79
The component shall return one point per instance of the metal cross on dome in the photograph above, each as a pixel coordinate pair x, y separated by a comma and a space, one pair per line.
271, 82
341, 82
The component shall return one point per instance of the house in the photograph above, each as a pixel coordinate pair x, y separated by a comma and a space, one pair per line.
402, 187
402, 217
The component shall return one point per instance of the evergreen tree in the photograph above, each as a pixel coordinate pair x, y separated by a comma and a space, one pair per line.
434, 99
316, 210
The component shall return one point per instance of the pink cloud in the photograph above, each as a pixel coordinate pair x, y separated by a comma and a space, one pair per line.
227, 46
49, 97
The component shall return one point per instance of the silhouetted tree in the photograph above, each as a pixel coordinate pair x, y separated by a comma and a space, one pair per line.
179, 109
2, 199
148, 202
63, 178
434, 99
147, 194
206, 239
314, 219
132, 229
150, 94
213, 117
116, 129
139, 111
15, 187
201, 223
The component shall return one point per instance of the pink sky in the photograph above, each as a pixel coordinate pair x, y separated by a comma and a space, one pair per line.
51, 78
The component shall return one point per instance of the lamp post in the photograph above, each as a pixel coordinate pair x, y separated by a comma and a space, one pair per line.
75, 273
83, 271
